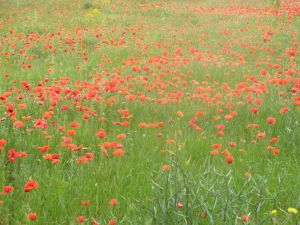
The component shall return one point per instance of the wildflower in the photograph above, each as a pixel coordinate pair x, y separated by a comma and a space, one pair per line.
274, 211
26, 118
112, 222
12, 155
275, 151
229, 159
258, 101
80, 219
85, 202
71, 132
214, 152
220, 133
118, 152
7, 189
55, 161
47, 115
31, 185
61, 128
160, 124
41, 124
2, 142
263, 72
226, 152
254, 110
274, 139
179, 205
89, 156
283, 110
271, 120
245, 218
10, 109
95, 10
113, 202
216, 146
292, 210
85, 116
179, 114
22, 106
18, 124
32, 216
253, 126
74, 124
135, 68
165, 167
261, 135
220, 126
101, 134
82, 159
125, 123
228, 117
232, 144
143, 125
44, 148
121, 136
55, 156
65, 107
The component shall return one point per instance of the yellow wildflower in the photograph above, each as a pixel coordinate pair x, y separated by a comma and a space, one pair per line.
95, 10
274, 211
292, 210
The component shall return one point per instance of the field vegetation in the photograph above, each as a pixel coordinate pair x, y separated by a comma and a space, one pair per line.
149, 112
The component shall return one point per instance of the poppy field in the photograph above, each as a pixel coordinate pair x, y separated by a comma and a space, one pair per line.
149, 112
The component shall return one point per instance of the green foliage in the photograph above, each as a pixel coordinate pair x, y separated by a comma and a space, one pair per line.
188, 75
88, 4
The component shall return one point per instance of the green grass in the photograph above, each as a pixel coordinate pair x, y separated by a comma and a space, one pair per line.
191, 56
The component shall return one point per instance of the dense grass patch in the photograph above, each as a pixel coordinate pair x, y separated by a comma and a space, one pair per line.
149, 112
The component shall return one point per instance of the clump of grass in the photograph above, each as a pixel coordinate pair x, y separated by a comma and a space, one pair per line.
198, 102
214, 197
88, 5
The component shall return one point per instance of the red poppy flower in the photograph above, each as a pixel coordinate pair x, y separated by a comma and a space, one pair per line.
18, 124
80, 219
118, 152
113, 202
32, 216
112, 222
245, 218
44, 148
101, 134
7, 189
271, 120
229, 159
179, 205
261, 135
31, 185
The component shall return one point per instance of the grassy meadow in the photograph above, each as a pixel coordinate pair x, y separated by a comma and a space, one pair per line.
166, 112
